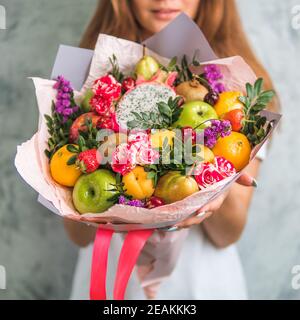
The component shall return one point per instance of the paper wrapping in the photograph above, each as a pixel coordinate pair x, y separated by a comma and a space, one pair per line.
159, 256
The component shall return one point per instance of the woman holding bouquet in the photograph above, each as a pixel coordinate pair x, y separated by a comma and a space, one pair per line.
209, 266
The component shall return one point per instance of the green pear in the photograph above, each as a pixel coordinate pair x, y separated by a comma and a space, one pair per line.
173, 186
146, 67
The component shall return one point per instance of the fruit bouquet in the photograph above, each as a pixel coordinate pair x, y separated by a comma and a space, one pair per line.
147, 140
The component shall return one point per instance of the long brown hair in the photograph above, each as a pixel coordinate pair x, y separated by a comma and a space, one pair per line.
218, 19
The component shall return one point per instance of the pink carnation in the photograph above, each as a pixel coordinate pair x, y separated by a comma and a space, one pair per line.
224, 166
137, 151
123, 159
146, 155
141, 136
206, 174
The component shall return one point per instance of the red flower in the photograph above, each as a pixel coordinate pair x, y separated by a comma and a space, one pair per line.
107, 87
108, 121
101, 105
106, 90
128, 84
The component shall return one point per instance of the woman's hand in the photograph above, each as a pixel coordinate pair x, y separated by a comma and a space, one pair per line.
206, 211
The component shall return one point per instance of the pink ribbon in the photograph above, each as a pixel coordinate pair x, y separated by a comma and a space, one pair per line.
132, 246
99, 264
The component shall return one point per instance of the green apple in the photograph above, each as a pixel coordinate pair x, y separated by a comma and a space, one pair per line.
146, 67
194, 114
91, 191
173, 186
85, 103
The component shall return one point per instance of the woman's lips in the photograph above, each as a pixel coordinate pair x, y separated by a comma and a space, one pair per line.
165, 14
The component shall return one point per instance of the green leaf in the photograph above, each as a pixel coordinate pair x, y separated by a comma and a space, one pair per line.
81, 142
72, 148
137, 115
72, 160
151, 175
243, 99
250, 91
172, 64
164, 109
258, 86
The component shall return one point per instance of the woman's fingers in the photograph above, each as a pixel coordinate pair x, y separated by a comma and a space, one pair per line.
246, 180
203, 213
215, 204
197, 219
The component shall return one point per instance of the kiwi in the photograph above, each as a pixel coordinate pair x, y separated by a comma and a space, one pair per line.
192, 91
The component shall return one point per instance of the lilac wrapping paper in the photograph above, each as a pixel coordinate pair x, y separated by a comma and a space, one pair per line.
160, 254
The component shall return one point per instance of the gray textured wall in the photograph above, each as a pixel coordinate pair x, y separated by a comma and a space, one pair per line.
39, 260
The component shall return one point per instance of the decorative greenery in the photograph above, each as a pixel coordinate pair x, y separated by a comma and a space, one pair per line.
86, 141
58, 130
172, 66
115, 72
168, 114
184, 71
174, 156
254, 102
88, 137
119, 189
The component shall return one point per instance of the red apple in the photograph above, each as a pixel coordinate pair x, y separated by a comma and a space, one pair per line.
79, 124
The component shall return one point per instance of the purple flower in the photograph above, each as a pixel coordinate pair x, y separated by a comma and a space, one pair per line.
213, 75
122, 200
65, 105
59, 95
66, 96
209, 137
67, 112
218, 87
133, 203
136, 203
218, 128
66, 89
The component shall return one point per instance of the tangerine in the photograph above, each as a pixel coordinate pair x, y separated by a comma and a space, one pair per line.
61, 172
234, 148
228, 101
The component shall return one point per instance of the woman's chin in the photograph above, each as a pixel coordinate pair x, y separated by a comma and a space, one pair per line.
158, 25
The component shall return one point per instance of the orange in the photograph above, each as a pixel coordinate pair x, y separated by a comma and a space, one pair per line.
228, 101
61, 172
235, 148
137, 185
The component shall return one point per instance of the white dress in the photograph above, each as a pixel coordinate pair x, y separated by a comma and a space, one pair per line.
202, 271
